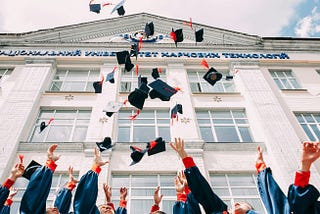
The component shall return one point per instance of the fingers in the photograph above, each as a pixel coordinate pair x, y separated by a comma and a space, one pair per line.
70, 170
157, 190
52, 148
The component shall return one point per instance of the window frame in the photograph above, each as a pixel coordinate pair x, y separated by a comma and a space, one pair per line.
283, 80
306, 124
5, 74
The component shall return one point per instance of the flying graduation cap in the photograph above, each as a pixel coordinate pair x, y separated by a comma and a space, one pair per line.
43, 124
110, 76
105, 144
199, 35
112, 107
161, 90
142, 80
30, 169
175, 110
136, 154
212, 76
97, 7
123, 57
155, 72
156, 146
119, 8
149, 29
138, 96
176, 35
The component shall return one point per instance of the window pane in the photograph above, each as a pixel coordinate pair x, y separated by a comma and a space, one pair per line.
195, 87
124, 134
59, 133
56, 86
244, 191
221, 191
221, 114
164, 132
120, 181
65, 114
143, 133
245, 134
142, 192
144, 181
167, 206
218, 180
226, 134
80, 134
140, 206
77, 75
203, 114
308, 132
74, 86
316, 130
206, 134
222, 121
241, 180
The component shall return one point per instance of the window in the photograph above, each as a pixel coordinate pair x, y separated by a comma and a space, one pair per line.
141, 189
233, 188
4, 74
67, 126
284, 79
59, 179
75, 80
199, 85
129, 80
224, 126
310, 122
148, 125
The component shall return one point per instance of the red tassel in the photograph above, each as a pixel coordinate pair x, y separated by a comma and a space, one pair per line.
173, 36
21, 156
51, 119
105, 4
133, 117
152, 144
160, 70
125, 102
137, 69
190, 24
205, 63
91, 2
140, 44
102, 80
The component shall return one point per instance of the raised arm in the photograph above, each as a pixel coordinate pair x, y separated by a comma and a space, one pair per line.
157, 198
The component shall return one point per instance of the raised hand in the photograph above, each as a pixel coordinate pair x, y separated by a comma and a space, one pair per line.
178, 146
107, 191
123, 193
71, 178
156, 197
51, 155
259, 155
97, 158
12, 193
310, 153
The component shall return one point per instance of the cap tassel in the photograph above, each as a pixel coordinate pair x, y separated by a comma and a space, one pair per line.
50, 120
125, 102
133, 117
137, 69
140, 44
105, 4
21, 157
160, 70
189, 24
102, 80
204, 63
91, 2
152, 144
173, 36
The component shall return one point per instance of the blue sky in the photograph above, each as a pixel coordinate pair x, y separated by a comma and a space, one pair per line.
272, 18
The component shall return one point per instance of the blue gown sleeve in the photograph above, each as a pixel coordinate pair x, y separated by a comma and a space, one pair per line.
121, 210
35, 197
190, 206
4, 193
86, 194
202, 191
63, 200
274, 200
304, 200
5, 210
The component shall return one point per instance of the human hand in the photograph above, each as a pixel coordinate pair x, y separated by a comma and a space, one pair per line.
107, 191
178, 185
12, 193
16, 171
310, 153
156, 197
178, 146
97, 158
123, 193
71, 178
259, 155
51, 155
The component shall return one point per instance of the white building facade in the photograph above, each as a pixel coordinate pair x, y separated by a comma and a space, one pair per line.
272, 101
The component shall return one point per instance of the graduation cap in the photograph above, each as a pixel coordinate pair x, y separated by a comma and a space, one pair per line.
212, 76
138, 96
105, 144
175, 110
95, 8
156, 146
136, 154
161, 90
30, 169
97, 87
229, 77
110, 77
134, 50
43, 124
149, 29
177, 35
199, 35
121, 57
112, 107
119, 8
128, 64
142, 80
155, 73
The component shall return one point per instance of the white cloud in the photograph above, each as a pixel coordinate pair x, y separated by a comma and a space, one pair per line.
309, 26
258, 17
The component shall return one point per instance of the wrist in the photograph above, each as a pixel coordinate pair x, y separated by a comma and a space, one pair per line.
305, 167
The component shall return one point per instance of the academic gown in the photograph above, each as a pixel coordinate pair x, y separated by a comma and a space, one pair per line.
35, 197
274, 200
188, 206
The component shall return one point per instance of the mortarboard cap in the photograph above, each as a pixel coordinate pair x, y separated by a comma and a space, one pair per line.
156, 146
161, 90
97, 86
136, 154
119, 8
149, 29
229, 77
30, 169
95, 8
134, 50
175, 110
42, 126
199, 35
121, 57
177, 35
142, 80
128, 64
105, 144
212, 76
110, 77
112, 107
138, 96
155, 73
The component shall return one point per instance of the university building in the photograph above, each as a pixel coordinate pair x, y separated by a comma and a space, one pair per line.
269, 95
